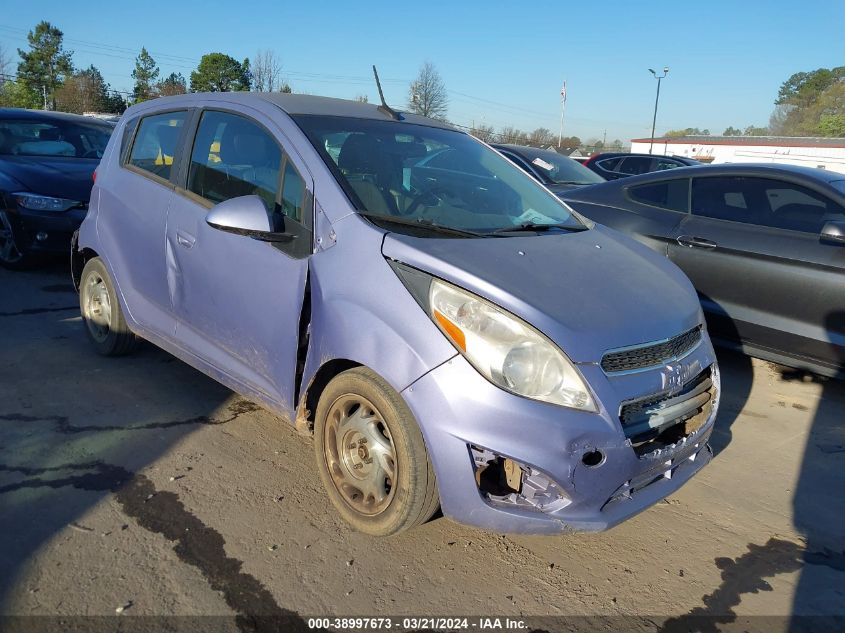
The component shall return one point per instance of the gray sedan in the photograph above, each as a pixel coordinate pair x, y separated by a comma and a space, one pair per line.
764, 246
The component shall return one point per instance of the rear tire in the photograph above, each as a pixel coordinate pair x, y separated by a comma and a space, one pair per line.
104, 322
371, 455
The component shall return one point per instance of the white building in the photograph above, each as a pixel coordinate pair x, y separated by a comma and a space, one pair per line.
824, 153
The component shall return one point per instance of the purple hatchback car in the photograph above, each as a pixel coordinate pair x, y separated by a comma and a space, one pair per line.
451, 333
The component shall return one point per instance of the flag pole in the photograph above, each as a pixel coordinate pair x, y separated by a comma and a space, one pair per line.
562, 110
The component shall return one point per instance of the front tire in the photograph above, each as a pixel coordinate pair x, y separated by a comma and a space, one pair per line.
371, 455
105, 324
12, 255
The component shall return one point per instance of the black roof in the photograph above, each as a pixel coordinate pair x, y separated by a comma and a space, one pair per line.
21, 114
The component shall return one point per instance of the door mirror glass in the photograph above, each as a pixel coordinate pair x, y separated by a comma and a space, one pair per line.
244, 215
834, 232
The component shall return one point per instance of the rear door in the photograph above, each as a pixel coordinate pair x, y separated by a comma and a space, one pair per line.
751, 247
238, 301
134, 201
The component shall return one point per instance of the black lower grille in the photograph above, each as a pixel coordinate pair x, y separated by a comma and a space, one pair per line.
663, 419
651, 354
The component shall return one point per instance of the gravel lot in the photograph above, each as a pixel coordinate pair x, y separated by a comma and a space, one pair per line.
140, 485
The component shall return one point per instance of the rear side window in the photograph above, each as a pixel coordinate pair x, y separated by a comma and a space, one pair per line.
634, 165
155, 143
670, 194
234, 156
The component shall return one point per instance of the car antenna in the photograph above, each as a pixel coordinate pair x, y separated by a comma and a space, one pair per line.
393, 114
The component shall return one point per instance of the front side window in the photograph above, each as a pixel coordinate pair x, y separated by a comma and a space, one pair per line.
57, 137
232, 156
670, 194
416, 174
155, 143
764, 201
666, 163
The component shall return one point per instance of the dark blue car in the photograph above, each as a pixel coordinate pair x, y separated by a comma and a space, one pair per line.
46, 163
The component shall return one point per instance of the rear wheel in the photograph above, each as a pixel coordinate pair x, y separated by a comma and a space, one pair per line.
12, 254
104, 321
371, 455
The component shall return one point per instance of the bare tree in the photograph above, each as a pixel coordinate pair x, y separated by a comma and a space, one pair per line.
541, 137
427, 94
362, 98
4, 66
484, 133
513, 135
267, 72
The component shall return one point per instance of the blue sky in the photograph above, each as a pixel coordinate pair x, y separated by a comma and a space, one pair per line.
503, 62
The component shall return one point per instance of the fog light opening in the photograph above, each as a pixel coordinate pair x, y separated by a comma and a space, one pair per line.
593, 458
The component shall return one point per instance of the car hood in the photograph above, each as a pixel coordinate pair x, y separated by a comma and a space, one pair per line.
61, 177
589, 291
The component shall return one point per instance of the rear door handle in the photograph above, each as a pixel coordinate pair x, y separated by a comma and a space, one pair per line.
695, 242
185, 240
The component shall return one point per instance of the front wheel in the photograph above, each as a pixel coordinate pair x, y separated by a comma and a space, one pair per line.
12, 255
371, 455
104, 321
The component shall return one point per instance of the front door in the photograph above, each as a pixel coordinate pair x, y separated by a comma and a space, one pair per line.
751, 247
238, 301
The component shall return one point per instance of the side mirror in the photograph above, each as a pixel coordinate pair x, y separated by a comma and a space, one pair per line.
245, 215
833, 231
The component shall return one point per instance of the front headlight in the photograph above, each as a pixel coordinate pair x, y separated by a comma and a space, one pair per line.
37, 202
504, 349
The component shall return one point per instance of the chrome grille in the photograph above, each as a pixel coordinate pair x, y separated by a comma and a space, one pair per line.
651, 354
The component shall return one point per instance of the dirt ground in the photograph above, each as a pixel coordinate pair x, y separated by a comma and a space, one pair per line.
138, 485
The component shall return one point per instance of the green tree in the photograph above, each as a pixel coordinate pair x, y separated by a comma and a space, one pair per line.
45, 66
145, 75
732, 131
690, 131
804, 88
173, 84
217, 72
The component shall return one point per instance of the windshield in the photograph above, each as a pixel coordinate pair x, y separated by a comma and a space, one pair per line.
53, 138
431, 176
561, 170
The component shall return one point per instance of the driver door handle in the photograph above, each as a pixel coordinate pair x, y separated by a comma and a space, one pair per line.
695, 242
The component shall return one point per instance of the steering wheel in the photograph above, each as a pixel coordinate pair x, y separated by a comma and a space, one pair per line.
433, 194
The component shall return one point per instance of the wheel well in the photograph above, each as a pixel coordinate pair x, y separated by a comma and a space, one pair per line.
78, 259
308, 403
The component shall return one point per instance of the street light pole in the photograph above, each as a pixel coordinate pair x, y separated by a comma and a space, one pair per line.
656, 101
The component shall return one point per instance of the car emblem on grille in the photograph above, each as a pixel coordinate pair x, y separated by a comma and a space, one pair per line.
676, 375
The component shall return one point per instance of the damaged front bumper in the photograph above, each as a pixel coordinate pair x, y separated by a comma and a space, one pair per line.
511, 464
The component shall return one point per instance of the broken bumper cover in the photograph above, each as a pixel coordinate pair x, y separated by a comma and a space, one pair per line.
463, 416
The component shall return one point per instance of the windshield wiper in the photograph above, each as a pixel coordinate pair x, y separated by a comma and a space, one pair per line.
534, 227
421, 223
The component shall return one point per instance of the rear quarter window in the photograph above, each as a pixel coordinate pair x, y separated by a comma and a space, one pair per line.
155, 143
669, 194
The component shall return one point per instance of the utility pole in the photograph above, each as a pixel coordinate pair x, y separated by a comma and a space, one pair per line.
562, 110
656, 101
